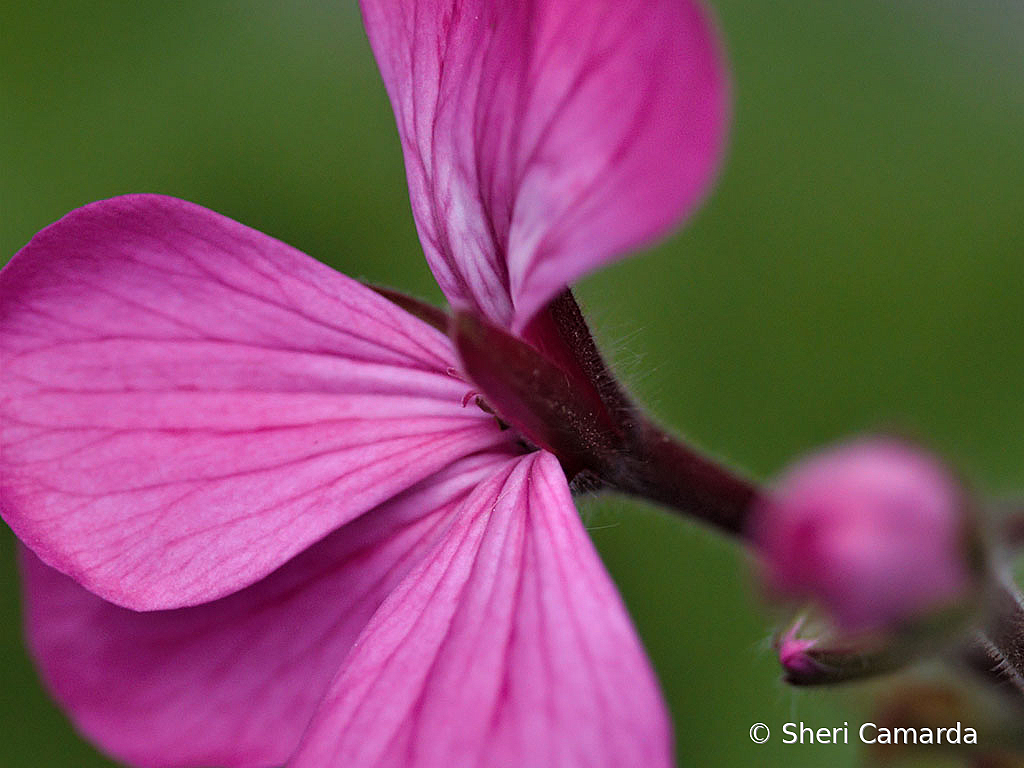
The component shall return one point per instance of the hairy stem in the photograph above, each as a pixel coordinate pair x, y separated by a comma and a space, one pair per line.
997, 651
660, 467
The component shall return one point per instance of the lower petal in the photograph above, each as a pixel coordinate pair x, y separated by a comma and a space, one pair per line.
507, 646
234, 682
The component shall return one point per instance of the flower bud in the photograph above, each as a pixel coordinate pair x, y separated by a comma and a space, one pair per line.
874, 530
794, 653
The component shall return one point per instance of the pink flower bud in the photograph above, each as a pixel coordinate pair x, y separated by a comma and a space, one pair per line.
794, 653
874, 530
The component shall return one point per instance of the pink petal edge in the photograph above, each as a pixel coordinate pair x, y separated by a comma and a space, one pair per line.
234, 682
186, 403
545, 139
507, 647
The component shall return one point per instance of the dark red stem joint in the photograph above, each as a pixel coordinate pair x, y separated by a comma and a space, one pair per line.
555, 389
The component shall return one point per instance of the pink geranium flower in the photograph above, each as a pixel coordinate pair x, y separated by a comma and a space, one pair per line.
262, 525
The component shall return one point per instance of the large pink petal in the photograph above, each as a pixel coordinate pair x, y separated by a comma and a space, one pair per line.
233, 682
507, 648
543, 138
186, 403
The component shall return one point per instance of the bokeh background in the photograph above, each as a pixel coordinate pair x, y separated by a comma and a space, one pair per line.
858, 265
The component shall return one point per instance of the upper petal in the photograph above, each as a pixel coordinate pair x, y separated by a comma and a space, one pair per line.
186, 403
542, 139
234, 682
508, 647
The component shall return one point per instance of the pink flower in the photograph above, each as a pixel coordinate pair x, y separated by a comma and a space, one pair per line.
875, 530
260, 524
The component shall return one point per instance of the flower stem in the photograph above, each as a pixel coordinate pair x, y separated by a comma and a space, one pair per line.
997, 651
650, 462
660, 467
555, 389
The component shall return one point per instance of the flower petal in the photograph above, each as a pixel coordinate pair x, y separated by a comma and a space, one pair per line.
508, 646
543, 139
233, 682
186, 403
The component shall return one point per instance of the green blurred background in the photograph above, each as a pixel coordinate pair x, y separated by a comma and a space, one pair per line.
858, 265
